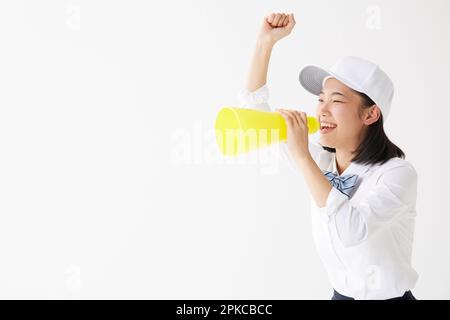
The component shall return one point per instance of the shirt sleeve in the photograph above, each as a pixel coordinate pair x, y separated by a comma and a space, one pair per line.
259, 100
393, 195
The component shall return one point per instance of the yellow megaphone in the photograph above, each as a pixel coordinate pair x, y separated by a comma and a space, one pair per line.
240, 130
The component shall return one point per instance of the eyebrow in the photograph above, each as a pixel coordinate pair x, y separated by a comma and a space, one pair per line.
334, 93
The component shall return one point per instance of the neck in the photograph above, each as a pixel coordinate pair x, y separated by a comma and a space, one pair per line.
344, 156
343, 160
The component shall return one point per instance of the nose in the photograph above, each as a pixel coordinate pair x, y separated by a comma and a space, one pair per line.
323, 109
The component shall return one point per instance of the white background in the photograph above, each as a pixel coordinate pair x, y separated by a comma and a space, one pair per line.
96, 98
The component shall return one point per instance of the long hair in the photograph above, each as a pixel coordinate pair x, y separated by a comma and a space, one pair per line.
376, 146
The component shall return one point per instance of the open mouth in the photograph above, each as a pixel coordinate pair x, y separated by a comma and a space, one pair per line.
327, 127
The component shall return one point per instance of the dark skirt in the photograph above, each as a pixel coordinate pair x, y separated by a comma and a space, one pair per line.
407, 296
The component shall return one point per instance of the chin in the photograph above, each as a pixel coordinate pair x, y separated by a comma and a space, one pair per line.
325, 144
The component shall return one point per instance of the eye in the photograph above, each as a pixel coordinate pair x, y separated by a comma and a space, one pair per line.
337, 101
320, 100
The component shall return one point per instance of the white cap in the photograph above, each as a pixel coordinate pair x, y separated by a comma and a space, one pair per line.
359, 74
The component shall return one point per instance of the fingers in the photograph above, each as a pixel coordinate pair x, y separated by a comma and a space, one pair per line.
276, 20
287, 117
304, 118
279, 19
301, 118
291, 22
297, 117
294, 117
286, 20
283, 20
270, 18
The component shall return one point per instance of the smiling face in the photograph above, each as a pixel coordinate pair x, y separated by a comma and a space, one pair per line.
341, 110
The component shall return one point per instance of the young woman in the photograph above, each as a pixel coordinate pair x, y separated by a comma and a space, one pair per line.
363, 191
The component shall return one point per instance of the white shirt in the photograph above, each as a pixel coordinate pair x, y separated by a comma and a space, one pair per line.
365, 242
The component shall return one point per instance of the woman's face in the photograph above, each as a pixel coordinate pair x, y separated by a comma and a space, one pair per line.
340, 106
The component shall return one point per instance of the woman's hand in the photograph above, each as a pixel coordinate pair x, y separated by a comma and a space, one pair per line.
297, 133
275, 27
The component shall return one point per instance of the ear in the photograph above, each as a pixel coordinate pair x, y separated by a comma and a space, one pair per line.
372, 115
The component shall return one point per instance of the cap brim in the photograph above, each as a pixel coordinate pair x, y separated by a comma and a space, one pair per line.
311, 78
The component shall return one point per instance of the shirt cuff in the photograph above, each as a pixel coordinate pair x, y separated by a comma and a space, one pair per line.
256, 99
334, 201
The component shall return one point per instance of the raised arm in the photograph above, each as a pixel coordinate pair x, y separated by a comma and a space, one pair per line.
274, 27
255, 94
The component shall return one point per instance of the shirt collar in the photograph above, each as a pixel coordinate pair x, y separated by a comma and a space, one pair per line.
353, 168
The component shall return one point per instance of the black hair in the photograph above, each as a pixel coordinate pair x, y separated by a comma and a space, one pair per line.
376, 146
